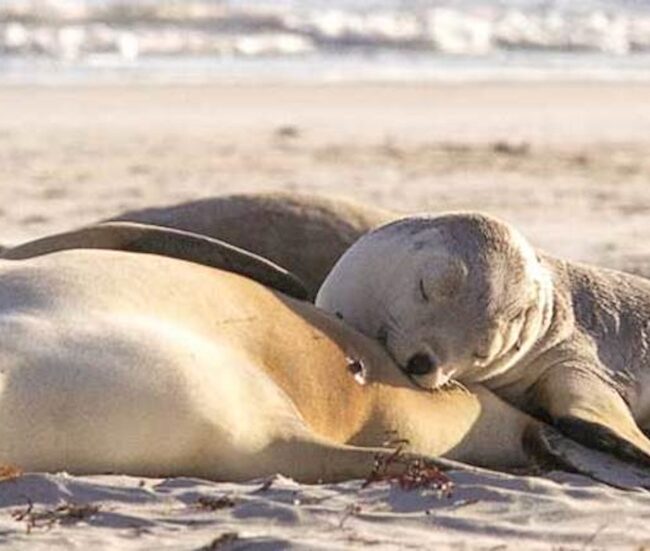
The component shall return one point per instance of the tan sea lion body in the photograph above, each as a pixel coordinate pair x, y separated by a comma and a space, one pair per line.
465, 296
155, 366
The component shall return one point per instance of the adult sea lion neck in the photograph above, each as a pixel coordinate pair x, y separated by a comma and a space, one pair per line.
352, 392
343, 373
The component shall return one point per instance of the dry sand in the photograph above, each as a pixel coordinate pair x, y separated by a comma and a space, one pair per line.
568, 163
497, 512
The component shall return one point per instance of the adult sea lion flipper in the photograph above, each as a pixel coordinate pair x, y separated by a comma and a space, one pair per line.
146, 238
591, 411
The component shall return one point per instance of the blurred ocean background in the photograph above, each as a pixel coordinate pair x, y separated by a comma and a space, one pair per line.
197, 41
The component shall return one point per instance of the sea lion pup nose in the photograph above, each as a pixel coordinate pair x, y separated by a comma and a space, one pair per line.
561, 340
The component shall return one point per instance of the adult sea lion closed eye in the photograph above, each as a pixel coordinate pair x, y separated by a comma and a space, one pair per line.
108, 365
466, 296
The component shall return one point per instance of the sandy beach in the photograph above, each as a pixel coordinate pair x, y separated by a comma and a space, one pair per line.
569, 163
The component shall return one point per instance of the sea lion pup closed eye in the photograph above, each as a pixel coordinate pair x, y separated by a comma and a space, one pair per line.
466, 296
147, 365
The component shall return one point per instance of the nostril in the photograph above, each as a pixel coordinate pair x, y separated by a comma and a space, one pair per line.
420, 364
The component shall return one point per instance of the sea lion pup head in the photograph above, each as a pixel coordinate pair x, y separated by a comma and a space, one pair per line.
458, 295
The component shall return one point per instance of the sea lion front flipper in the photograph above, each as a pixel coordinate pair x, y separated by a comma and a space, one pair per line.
589, 410
598, 465
146, 238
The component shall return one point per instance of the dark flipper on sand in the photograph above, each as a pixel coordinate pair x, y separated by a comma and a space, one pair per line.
604, 439
146, 238
589, 409
599, 465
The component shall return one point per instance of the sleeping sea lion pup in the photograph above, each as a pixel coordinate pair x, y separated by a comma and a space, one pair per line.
466, 296
147, 365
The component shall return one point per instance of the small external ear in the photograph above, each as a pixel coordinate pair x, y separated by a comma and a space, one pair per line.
443, 277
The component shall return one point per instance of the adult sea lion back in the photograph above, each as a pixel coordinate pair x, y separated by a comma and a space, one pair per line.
304, 233
141, 364
183, 245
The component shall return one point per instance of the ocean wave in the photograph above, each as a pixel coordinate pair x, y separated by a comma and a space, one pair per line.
72, 30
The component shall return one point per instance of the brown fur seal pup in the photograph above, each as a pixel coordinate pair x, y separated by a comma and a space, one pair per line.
304, 233
147, 365
466, 296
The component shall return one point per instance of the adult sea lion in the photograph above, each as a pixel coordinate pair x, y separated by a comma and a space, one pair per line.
147, 365
301, 235
466, 296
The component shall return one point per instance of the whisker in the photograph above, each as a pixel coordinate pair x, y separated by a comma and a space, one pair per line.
457, 384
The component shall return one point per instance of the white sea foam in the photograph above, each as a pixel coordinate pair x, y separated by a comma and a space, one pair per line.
76, 30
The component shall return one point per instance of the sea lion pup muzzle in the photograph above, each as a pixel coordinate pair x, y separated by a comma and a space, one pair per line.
465, 296
448, 296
